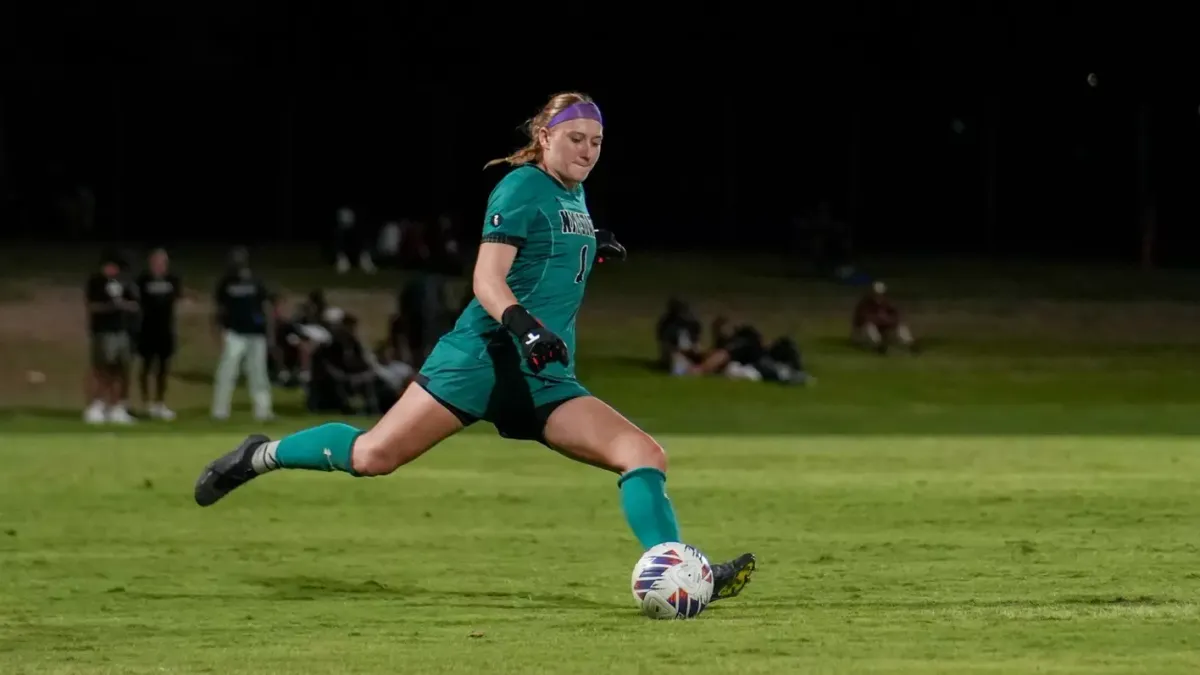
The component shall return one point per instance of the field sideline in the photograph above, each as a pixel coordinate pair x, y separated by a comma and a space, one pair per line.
1019, 498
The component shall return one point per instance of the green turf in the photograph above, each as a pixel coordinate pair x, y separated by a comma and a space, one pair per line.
877, 554
1018, 498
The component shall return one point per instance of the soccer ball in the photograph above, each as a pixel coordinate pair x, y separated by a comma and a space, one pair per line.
672, 581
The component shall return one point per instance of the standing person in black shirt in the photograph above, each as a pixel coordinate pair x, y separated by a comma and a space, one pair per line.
159, 289
111, 301
245, 319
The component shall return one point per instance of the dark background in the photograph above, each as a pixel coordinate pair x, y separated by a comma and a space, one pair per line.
252, 122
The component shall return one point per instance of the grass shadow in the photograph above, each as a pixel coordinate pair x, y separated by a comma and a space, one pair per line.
313, 588
190, 376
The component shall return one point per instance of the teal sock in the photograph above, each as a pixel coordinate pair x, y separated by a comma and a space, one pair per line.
647, 509
323, 448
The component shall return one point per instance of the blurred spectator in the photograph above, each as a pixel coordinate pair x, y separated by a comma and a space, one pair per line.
394, 367
301, 334
415, 251
387, 246
111, 305
245, 320
678, 335
286, 362
159, 289
425, 314
349, 242
344, 378
877, 324
739, 352
315, 318
445, 251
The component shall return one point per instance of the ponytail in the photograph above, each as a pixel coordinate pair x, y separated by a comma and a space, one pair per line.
530, 153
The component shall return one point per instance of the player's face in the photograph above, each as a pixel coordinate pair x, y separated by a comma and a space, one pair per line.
573, 148
110, 270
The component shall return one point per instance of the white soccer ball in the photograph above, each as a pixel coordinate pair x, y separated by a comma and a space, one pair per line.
672, 581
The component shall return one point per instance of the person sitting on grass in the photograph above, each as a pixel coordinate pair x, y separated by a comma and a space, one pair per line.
876, 323
738, 352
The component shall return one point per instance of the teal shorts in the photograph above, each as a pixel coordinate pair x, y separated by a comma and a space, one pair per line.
495, 390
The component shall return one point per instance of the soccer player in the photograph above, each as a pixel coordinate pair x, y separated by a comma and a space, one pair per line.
509, 359
159, 289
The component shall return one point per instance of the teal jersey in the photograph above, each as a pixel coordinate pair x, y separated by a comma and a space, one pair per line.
556, 248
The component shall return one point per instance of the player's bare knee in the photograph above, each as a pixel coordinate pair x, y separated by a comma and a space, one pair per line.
639, 450
372, 457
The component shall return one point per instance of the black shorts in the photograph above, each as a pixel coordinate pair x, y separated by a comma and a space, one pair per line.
156, 346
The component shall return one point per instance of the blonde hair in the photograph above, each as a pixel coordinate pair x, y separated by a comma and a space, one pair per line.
532, 152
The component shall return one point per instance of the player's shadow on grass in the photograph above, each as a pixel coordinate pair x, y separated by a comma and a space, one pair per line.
315, 588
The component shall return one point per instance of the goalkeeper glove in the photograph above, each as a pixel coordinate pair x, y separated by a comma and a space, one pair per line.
539, 345
607, 247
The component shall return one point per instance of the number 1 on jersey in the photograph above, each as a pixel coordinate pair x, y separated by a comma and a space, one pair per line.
582, 264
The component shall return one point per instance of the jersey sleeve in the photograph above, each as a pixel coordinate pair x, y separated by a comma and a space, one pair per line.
510, 213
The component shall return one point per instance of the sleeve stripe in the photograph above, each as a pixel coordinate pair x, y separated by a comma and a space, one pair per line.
498, 238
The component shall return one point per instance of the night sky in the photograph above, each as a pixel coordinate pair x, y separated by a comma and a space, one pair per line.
930, 129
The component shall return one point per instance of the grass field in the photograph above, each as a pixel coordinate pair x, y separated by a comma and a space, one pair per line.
1020, 498
882, 554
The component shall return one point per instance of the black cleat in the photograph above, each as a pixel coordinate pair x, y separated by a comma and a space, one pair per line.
227, 472
729, 578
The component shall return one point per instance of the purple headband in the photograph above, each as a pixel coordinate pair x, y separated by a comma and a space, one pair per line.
581, 110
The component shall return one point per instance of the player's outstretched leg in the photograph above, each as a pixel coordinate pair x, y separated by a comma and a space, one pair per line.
416, 423
588, 430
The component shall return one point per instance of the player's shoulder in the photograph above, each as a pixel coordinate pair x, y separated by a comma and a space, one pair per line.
523, 184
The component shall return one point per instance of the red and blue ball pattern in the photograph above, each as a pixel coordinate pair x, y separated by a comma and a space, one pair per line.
686, 606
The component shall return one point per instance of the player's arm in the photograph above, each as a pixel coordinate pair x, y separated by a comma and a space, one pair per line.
539, 345
490, 281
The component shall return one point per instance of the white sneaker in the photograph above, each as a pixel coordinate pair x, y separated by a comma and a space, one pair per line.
119, 415
94, 413
159, 411
343, 264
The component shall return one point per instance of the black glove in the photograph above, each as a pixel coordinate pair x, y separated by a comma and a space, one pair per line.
607, 247
539, 345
